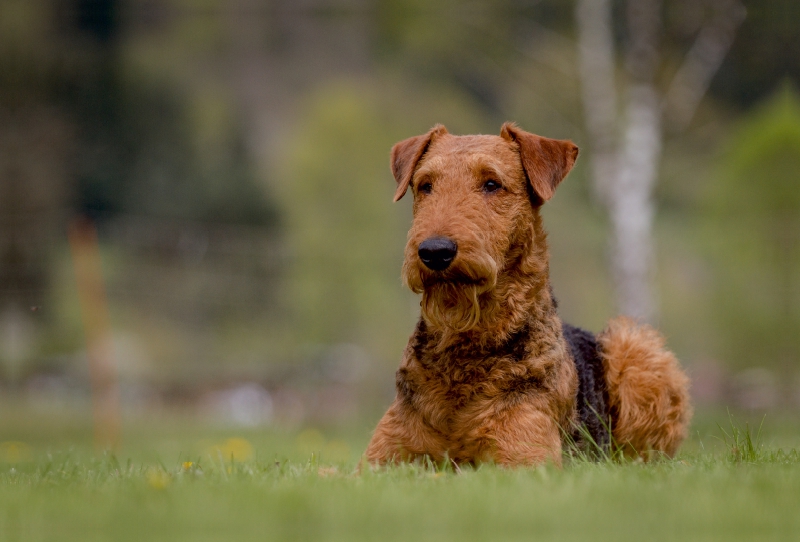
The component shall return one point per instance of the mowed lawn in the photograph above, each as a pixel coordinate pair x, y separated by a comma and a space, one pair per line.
182, 481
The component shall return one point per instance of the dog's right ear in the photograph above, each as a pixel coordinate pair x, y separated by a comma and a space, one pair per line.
407, 154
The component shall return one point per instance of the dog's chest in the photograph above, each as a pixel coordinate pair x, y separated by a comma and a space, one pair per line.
451, 393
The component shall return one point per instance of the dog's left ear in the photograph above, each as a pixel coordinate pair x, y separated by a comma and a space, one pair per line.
546, 161
407, 154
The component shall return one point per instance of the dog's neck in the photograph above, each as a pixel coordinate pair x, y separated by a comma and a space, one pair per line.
521, 297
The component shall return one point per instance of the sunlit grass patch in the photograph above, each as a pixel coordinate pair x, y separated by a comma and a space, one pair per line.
702, 496
197, 484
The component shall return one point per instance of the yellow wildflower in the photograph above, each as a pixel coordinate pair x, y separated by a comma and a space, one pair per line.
158, 479
238, 449
14, 452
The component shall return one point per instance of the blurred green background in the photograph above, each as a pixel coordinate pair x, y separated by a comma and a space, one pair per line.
234, 159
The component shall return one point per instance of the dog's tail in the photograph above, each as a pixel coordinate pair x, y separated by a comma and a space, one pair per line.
648, 391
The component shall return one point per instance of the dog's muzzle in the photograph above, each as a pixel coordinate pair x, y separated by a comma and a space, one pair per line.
437, 253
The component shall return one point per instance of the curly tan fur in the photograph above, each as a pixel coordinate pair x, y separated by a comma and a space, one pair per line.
487, 374
648, 391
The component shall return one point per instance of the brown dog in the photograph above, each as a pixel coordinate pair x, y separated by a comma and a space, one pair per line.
490, 372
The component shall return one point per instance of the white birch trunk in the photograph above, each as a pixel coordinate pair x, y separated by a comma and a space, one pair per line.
632, 208
623, 175
596, 68
703, 60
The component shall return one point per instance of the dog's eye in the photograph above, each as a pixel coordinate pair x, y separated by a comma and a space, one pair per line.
425, 188
491, 186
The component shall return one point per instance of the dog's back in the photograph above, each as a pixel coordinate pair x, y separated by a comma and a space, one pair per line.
592, 433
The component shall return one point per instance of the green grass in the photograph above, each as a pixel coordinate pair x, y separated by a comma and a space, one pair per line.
725, 486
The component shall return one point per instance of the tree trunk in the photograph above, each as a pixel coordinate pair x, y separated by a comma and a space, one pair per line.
597, 67
631, 206
624, 173
623, 176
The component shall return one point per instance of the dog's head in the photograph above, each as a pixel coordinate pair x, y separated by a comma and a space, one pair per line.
476, 200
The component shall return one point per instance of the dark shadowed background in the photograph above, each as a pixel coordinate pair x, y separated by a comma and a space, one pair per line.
232, 159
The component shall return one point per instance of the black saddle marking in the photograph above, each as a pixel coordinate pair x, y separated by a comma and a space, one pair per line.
592, 400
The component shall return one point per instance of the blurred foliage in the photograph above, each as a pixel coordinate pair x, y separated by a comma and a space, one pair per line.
345, 238
753, 220
236, 154
766, 49
456, 43
140, 154
140, 145
342, 233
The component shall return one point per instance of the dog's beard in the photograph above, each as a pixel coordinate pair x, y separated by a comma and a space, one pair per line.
454, 307
451, 299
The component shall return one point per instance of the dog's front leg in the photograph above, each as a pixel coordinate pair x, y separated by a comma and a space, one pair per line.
403, 435
521, 435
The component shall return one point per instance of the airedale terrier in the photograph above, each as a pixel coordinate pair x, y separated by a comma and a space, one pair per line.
490, 372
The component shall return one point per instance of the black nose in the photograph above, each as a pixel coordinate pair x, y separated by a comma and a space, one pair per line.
437, 253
